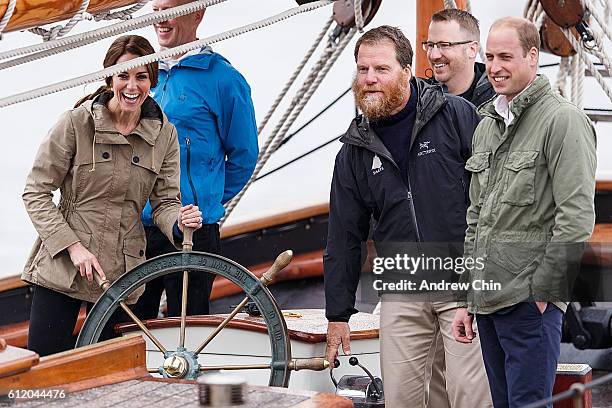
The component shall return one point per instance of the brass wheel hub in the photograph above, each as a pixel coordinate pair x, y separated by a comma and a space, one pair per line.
176, 366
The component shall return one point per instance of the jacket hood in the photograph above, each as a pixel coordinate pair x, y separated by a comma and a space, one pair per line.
430, 99
537, 89
151, 117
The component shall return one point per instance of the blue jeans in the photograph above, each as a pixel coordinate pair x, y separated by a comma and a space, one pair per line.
520, 347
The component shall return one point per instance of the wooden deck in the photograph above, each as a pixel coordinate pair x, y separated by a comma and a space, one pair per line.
153, 392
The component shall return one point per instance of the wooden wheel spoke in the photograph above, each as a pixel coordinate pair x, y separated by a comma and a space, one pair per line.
224, 323
142, 327
184, 308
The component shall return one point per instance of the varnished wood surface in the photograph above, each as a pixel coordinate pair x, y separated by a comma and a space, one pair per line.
604, 185
274, 220
311, 328
302, 266
599, 252
14, 360
103, 363
32, 13
424, 11
15, 334
12, 282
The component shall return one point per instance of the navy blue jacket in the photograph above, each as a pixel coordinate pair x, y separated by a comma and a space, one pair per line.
367, 184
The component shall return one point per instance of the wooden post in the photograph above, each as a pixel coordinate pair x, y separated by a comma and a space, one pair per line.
424, 11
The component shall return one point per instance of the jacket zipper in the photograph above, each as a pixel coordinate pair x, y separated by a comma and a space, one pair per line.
164, 90
412, 210
188, 165
409, 190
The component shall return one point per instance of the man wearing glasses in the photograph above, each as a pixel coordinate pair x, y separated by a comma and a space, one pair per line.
452, 46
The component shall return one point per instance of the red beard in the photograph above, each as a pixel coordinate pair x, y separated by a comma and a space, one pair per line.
377, 108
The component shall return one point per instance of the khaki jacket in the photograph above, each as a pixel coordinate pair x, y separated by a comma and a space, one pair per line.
105, 180
532, 194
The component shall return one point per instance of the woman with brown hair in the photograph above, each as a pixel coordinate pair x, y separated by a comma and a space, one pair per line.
108, 156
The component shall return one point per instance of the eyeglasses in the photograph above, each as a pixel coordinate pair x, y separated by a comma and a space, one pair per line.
442, 45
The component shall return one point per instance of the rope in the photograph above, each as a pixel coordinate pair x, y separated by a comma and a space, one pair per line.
293, 77
580, 87
450, 4
589, 64
60, 31
64, 44
7, 15
562, 76
358, 15
574, 73
601, 22
294, 110
530, 9
148, 59
125, 14
307, 83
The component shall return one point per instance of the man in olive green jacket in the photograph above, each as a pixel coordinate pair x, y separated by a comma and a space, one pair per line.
532, 192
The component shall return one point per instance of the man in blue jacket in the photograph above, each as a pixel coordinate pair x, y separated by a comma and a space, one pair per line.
210, 104
402, 165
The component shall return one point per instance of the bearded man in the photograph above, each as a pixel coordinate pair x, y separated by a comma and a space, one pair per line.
402, 164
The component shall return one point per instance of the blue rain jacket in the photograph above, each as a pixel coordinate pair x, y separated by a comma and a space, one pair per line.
210, 104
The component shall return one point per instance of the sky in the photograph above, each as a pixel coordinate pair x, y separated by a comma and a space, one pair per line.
267, 58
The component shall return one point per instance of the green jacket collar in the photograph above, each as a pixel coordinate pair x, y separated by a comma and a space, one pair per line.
538, 88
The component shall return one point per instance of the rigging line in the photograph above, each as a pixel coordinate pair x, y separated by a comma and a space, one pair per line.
315, 70
60, 31
293, 77
7, 15
113, 29
148, 59
347, 36
286, 139
600, 21
358, 15
298, 157
591, 67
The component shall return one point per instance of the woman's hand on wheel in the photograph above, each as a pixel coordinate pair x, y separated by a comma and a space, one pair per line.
85, 261
190, 216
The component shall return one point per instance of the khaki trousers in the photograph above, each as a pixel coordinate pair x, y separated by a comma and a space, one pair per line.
422, 364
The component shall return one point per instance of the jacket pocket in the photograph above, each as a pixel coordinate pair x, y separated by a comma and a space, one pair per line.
480, 166
133, 252
520, 178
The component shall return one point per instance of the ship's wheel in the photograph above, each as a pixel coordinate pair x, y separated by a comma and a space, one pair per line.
183, 363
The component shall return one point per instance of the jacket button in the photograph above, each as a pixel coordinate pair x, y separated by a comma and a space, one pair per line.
135, 159
105, 155
141, 252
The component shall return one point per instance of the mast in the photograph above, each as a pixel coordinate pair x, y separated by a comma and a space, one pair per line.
424, 10
33, 13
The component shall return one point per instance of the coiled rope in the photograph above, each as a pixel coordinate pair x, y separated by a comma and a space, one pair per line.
60, 31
